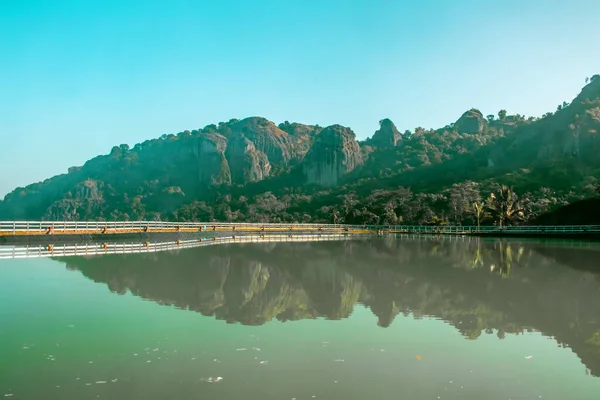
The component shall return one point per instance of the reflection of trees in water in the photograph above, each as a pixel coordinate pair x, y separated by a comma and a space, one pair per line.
493, 287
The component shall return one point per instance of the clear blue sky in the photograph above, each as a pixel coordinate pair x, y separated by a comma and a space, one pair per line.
77, 77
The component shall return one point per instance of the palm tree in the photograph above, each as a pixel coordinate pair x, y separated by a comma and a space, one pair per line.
506, 207
479, 212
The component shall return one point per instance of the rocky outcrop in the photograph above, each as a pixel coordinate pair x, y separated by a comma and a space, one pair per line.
266, 138
213, 167
470, 122
387, 135
334, 154
302, 136
246, 162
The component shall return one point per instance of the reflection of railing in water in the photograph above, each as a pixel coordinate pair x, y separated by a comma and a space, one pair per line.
38, 251
8, 228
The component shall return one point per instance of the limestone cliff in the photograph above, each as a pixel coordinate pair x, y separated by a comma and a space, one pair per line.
334, 154
246, 162
302, 136
213, 167
266, 137
387, 135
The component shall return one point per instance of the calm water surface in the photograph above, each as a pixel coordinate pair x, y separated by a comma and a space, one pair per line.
370, 319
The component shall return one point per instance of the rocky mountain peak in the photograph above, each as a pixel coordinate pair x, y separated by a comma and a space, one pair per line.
387, 135
471, 122
334, 154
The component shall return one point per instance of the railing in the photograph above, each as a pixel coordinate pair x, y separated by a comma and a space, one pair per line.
90, 227
89, 249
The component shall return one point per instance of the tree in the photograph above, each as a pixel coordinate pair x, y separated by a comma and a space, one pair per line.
594, 77
502, 115
462, 196
490, 118
479, 212
505, 208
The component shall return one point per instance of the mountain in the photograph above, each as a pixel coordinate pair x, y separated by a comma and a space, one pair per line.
243, 170
478, 287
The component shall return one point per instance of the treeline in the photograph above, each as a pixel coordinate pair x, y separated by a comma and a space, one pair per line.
466, 203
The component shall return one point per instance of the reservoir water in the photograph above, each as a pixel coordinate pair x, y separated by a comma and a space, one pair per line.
383, 318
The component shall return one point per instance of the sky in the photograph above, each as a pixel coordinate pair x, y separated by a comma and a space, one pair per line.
80, 76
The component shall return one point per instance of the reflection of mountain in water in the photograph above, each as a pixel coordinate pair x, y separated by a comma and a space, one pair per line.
476, 286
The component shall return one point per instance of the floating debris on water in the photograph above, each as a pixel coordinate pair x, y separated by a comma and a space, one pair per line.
263, 362
242, 349
338, 360
528, 357
100, 382
213, 380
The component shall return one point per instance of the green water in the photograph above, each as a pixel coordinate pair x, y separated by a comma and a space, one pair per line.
379, 319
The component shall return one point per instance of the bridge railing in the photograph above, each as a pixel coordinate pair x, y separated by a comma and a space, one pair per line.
89, 249
18, 227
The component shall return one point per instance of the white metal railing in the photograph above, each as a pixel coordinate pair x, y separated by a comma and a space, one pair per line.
20, 227
87, 249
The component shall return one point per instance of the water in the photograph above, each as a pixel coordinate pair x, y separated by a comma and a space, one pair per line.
371, 319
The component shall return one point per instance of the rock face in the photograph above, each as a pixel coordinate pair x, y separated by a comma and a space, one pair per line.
246, 162
387, 135
266, 138
213, 167
470, 122
334, 154
302, 137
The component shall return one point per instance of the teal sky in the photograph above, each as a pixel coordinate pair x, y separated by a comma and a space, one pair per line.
77, 77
